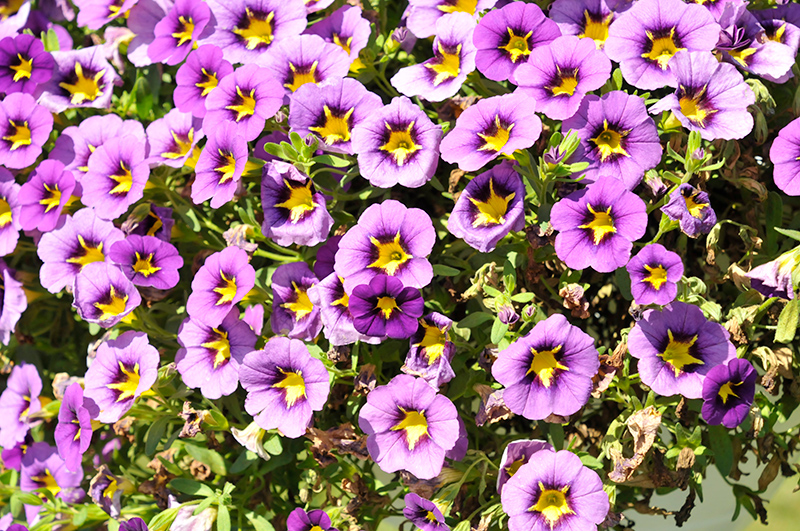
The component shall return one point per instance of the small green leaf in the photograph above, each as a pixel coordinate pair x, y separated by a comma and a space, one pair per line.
720, 443
499, 330
259, 522
207, 457
190, 486
154, 435
223, 519
787, 322
444, 271
273, 445
162, 520
474, 319
793, 234
79, 519
523, 297
330, 160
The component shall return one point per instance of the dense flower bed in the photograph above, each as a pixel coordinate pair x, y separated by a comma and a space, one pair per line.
468, 264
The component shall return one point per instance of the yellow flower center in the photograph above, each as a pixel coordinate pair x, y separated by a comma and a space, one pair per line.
90, 253
227, 290
111, 489
597, 30
48, 482
517, 45
775, 36
246, 105
344, 45
302, 305
662, 48
678, 355
466, 6
401, 143
23, 69
493, 210
114, 307
602, 224
208, 84
609, 142
187, 28
497, 137
221, 347
544, 364
52, 199
552, 504
695, 209
742, 56
257, 32
387, 305
145, 265
182, 146
415, 425
295, 386
434, 342
336, 128
20, 137
391, 255
302, 76
124, 180
692, 108
300, 201
726, 391
657, 276
84, 88
228, 168
567, 82
448, 65
5, 213
130, 382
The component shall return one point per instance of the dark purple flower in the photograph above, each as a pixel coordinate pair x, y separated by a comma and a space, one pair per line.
198, 77
225, 278
692, 208
24, 64
134, 524
676, 348
728, 393
284, 385
293, 313
774, 279
424, 513
42, 198
655, 273
588, 19
409, 426
385, 307
147, 261
24, 128
20, 399
73, 433
516, 454
323, 265
334, 311
104, 295
42, 468
106, 490
430, 351
300, 520
150, 221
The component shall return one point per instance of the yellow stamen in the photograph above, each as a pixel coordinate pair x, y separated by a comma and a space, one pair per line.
187, 28
609, 142
597, 30
693, 108
677, 353
552, 504
302, 305
52, 200
391, 255
657, 276
694, 208
493, 210
662, 48
567, 83
517, 46
294, 384
221, 347
336, 128
300, 78
124, 180
496, 140
145, 266
228, 289
247, 107
344, 45
130, 382
415, 425
300, 201
434, 342
258, 31
21, 136
544, 364
84, 88
447, 67
776, 37
601, 224
5, 213
466, 6
114, 307
387, 305
228, 170
183, 146
401, 143
90, 253
23, 69
209, 84
726, 391
48, 482
741, 56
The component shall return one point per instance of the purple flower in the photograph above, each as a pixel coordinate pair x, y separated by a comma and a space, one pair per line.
225, 278
186, 23
492, 127
554, 491
147, 261
247, 98
345, 28
198, 77
644, 39
655, 273
209, 358
505, 38
785, 155
104, 295
73, 433
422, 15
42, 468
323, 265
334, 311
172, 140
781, 24
117, 175
284, 385
302, 59
431, 350
618, 137
82, 78
249, 29
385, 307
560, 74
300, 520
409, 426
294, 212
774, 279
9, 212
124, 368
597, 225
712, 97
424, 513
42, 198
106, 490
293, 313
142, 20
692, 208
453, 59
24, 64
728, 393
397, 144
24, 128
20, 399
676, 348
490, 207
331, 112
154, 221
254, 317
13, 302
83, 238
220, 166
589, 19
94, 14
134, 524
389, 239
516, 454
549, 371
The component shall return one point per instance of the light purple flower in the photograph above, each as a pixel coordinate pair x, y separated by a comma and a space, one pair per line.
692, 208
305, 59
785, 155
42, 198
24, 128
199, 77
293, 313
19, 400
172, 140
516, 454
10, 214
422, 15
104, 295
430, 351
225, 278
655, 273
24, 64
43, 468
345, 28
187, 22
82, 78
73, 433
147, 261
220, 166
13, 302
587, 19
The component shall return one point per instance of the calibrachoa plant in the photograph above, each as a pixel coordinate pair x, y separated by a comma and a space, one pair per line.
328, 265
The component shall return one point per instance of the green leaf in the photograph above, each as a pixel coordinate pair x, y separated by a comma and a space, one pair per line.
492, 292
243, 462
330, 160
444, 271
154, 435
793, 234
474, 319
208, 457
720, 443
28, 498
223, 519
190, 486
162, 520
462, 526
273, 445
79, 519
523, 297
259, 522
787, 322
51, 41
499, 330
